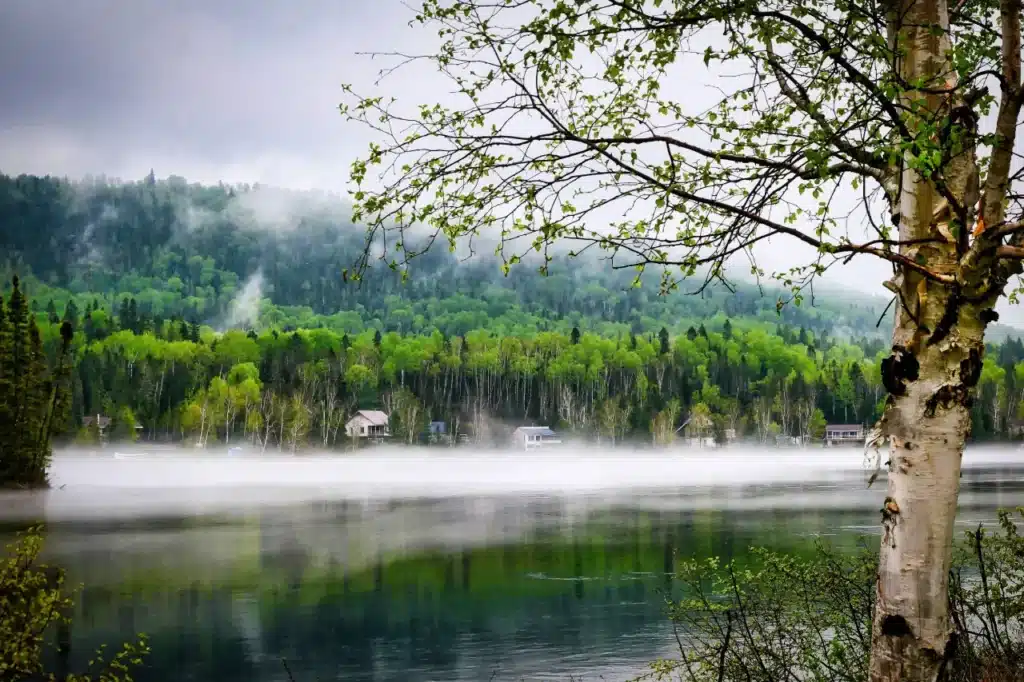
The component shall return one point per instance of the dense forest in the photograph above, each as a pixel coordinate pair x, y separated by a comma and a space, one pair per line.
219, 315
189, 251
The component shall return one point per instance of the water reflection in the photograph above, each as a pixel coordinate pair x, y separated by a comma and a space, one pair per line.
456, 583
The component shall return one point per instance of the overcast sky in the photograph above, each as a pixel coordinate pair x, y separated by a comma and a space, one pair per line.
233, 90
209, 89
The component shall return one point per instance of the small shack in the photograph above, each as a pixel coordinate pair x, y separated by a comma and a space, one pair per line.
844, 434
534, 437
368, 424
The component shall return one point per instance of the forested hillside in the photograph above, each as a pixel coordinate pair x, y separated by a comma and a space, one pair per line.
188, 251
220, 315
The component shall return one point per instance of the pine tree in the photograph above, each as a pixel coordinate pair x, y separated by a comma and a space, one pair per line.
51, 312
71, 313
6, 393
30, 395
133, 316
663, 341
124, 314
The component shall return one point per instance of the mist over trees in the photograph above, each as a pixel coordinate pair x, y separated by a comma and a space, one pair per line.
578, 349
187, 250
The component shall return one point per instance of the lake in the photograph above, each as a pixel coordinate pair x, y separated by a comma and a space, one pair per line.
424, 565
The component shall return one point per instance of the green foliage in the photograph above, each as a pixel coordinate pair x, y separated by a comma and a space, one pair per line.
759, 381
787, 614
463, 339
32, 602
784, 616
987, 595
32, 396
123, 426
183, 253
565, 116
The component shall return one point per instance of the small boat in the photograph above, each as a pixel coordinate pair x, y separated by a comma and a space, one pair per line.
128, 455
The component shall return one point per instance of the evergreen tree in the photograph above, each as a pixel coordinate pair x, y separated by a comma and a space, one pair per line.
574, 336
124, 315
51, 312
663, 341
6, 389
133, 316
30, 395
71, 313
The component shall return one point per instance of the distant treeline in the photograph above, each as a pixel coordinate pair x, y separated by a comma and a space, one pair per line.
175, 380
146, 271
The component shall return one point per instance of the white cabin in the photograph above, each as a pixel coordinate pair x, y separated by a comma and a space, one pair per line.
368, 424
844, 434
533, 437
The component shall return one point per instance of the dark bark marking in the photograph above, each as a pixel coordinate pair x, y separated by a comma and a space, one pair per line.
949, 318
970, 369
988, 315
947, 397
899, 368
896, 626
890, 511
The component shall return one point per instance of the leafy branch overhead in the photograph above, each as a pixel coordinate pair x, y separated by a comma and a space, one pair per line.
572, 121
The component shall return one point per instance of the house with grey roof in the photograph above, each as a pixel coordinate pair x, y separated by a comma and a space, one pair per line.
844, 434
369, 424
534, 437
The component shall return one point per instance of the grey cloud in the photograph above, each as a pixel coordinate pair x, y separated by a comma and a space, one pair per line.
216, 89
246, 87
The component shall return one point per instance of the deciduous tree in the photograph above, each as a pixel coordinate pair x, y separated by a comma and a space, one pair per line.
566, 115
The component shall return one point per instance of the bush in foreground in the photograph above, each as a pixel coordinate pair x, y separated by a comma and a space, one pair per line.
32, 604
810, 619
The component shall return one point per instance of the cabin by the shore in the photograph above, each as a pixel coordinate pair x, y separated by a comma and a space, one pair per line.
844, 434
368, 424
534, 437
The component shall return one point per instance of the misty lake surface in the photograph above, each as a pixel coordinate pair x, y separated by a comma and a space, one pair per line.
431, 564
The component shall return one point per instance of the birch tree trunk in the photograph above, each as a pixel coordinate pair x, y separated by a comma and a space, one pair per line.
938, 342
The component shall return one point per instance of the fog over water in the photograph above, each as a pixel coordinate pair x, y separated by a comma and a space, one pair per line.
157, 481
416, 565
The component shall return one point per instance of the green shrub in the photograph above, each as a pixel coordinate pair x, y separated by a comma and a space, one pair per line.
33, 603
786, 618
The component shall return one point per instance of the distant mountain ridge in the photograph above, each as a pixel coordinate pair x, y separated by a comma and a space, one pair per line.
206, 252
